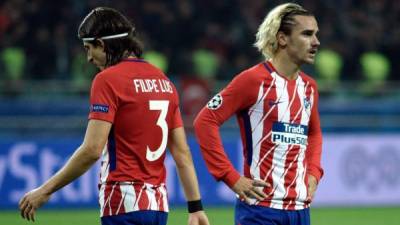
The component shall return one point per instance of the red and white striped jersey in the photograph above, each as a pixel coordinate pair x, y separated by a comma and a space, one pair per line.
143, 107
280, 130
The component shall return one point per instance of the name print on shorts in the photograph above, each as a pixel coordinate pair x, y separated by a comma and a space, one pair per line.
152, 85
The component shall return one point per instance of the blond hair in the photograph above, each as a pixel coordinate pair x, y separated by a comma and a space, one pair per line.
280, 18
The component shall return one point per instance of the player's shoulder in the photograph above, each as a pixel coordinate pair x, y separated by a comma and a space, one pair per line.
107, 73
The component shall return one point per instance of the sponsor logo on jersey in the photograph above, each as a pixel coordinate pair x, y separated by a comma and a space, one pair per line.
289, 134
272, 103
215, 102
99, 108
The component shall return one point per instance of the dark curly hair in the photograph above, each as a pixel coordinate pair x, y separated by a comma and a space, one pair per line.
104, 21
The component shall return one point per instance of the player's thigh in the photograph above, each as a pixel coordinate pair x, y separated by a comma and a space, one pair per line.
256, 215
137, 218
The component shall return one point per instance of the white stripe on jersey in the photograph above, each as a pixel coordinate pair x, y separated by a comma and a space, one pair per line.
151, 195
279, 157
130, 197
257, 132
164, 197
101, 199
103, 177
105, 164
301, 187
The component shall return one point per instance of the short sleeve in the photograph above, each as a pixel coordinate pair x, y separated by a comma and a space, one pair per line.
176, 118
103, 100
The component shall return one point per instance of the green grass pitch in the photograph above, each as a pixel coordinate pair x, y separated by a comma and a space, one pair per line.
217, 216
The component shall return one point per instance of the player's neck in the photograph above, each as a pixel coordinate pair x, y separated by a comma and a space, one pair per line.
285, 67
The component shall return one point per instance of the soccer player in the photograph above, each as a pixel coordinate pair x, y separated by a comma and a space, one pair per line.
134, 116
276, 105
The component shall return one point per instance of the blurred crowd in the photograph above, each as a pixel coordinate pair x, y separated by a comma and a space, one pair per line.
208, 39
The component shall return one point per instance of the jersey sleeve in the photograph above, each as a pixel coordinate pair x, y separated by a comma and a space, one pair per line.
176, 116
314, 147
235, 97
103, 100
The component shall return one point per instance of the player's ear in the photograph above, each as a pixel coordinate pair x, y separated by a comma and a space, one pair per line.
281, 39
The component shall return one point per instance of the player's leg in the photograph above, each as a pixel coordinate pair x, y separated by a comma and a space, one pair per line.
146, 217
257, 215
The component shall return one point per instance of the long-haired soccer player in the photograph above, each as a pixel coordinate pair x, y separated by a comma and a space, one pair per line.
134, 115
276, 105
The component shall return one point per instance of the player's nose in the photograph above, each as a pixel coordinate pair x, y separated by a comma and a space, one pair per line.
315, 41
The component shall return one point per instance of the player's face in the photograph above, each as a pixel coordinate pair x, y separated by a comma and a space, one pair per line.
302, 43
95, 55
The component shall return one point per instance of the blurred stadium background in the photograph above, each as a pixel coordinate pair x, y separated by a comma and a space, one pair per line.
201, 45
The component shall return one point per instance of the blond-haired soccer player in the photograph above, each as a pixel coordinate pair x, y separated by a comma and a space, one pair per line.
134, 115
276, 105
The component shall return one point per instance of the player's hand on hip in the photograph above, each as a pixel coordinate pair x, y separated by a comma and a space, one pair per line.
32, 201
312, 187
248, 189
198, 218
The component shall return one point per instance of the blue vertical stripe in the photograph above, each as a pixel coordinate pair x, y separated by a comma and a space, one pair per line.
112, 154
270, 70
249, 139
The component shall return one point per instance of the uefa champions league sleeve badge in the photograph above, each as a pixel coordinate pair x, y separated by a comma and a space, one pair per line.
215, 102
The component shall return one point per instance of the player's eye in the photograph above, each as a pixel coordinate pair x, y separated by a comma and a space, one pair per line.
307, 33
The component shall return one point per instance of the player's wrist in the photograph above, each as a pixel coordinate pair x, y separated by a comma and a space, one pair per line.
194, 206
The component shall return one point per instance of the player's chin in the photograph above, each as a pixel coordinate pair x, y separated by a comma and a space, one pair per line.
309, 60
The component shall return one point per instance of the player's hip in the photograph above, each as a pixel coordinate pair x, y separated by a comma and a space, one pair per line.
124, 197
246, 214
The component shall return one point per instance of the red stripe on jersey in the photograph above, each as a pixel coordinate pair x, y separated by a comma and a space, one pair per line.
106, 211
117, 201
143, 200
291, 175
159, 199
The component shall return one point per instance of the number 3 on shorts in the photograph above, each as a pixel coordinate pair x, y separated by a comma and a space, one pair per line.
161, 122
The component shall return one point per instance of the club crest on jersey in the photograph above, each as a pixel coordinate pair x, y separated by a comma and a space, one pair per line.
215, 102
307, 103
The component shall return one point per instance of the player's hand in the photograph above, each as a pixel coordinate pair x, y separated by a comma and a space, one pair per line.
198, 218
248, 189
32, 201
312, 187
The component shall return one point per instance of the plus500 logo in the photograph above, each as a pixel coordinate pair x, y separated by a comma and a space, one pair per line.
286, 139
290, 134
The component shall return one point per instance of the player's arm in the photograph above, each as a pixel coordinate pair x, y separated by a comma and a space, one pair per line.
81, 161
235, 97
187, 174
314, 149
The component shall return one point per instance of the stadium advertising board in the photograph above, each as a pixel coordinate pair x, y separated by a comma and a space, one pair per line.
359, 170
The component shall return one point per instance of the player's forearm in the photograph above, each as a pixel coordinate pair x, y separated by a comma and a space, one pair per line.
209, 138
187, 175
78, 164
